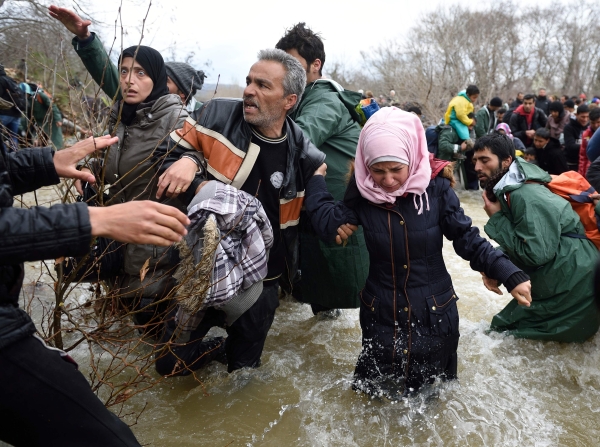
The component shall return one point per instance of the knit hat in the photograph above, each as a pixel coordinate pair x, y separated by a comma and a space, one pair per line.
185, 77
496, 102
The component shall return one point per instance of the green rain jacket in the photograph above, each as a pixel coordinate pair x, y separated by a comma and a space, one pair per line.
449, 145
537, 232
96, 61
483, 117
46, 114
332, 275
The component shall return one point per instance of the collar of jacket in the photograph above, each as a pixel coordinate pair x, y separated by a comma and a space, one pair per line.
151, 111
222, 119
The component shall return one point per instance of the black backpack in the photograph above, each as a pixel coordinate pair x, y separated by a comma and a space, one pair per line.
10, 91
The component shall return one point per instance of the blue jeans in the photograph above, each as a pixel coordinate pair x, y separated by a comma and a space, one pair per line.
9, 130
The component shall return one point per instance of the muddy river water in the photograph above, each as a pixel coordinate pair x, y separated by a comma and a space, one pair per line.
509, 393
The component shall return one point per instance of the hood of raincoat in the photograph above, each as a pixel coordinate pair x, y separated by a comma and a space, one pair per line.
519, 173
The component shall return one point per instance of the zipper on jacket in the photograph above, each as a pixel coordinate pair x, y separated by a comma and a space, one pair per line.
409, 341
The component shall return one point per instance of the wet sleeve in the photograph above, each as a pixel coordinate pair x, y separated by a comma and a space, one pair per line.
469, 244
532, 237
325, 214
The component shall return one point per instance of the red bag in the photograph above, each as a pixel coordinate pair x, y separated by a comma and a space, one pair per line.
574, 188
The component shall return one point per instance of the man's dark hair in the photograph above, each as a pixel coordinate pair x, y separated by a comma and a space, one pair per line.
583, 109
496, 102
415, 110
595, 114
578, 101
569, 103
542, 132
528, 96
500, 145
307, 43
501, 110
472, 90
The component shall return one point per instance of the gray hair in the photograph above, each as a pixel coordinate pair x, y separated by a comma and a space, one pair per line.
294, 81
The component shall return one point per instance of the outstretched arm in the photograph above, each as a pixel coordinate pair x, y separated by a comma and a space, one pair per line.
90, 50
71, 21
471, 246
33, 168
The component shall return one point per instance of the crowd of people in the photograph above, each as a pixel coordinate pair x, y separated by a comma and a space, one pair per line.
290, 190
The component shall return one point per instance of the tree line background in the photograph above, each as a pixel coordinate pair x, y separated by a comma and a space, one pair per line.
503, 48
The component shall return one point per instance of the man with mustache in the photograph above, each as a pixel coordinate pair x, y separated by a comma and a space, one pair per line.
253, 145
544, 237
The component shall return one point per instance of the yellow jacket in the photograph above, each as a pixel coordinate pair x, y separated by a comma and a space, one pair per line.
459, 108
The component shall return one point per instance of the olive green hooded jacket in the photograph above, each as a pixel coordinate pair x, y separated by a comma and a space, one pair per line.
332, 275
538, 231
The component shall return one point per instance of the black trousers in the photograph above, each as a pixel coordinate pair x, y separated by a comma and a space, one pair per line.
46, 401
243, 346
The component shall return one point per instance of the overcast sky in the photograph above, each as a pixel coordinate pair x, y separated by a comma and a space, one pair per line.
230, 33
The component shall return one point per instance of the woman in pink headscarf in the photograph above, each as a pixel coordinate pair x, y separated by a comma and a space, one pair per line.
403, 198
504, 129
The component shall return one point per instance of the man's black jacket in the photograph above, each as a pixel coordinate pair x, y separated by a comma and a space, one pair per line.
32, 234
573, 133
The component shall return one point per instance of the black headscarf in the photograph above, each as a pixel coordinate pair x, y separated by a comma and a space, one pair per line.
154, 65
557, 106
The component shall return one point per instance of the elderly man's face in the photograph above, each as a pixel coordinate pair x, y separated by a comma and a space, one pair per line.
264, 101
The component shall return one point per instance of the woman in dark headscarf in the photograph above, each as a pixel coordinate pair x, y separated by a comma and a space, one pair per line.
142, 120
557, 120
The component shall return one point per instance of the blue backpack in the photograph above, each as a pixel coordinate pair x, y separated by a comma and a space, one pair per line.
431, 134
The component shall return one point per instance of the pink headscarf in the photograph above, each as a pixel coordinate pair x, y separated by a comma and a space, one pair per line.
505, 127
392, 132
